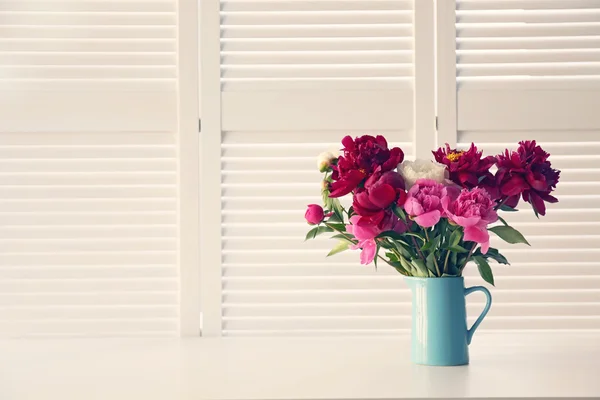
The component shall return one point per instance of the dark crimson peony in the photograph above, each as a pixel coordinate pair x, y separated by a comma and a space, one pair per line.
527, 173
467, 168
380, 191
361, 157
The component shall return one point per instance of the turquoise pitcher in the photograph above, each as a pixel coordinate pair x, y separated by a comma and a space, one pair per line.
439, 320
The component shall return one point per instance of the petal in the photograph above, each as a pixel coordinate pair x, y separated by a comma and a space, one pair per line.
382, 196
365, 231
346, 184
485, 246
512, 201
538, 203
467, 221
476, 233
367, 255
396, 157
381, 141
549, 198
428, 219
516, 185
413, 207
468, 177
537, 181
363, 206
348, 142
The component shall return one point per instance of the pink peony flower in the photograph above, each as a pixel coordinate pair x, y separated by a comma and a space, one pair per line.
314, 214
424, 201
474, 211
366, 229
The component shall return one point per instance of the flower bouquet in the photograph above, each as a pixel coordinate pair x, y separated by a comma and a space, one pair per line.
429, 218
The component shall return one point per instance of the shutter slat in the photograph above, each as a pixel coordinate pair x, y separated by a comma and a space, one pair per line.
316, 44
528, 16
97, 299
67, 18
70, 218
257, 18
324, 5
528, 56
526, 4
528, 43
131, 6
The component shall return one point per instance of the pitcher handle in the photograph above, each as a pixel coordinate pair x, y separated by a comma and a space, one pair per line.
488, 304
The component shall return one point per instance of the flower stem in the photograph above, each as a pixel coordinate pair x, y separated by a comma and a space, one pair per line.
437, 267
417, 247
468, 259
340, 232
504, 200
446, 260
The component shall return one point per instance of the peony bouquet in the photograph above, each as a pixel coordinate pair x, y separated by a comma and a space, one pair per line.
428, 218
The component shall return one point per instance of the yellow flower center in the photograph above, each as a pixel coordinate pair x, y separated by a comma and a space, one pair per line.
454, 156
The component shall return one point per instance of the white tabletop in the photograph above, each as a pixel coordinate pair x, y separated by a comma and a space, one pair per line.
502, 366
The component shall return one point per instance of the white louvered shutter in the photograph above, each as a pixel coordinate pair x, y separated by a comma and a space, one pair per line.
297, 76
530, 69
88, 167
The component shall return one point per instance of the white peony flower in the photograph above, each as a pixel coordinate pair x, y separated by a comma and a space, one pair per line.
324, 160
422, 169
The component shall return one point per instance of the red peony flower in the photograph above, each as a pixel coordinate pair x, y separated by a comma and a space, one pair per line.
361, 158
380, 191
527, 173
467, 168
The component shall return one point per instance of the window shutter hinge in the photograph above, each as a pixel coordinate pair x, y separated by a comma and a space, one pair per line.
199, 125
436, 123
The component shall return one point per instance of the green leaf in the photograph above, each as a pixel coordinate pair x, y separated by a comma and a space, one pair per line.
398, 267
393, 235
392, 256
346, 237
457, 249
455, 237
494, 254
386, 245
406, 265
415, 235
400, 213
421, 268
484, 269
506, 208
430, 263
316, 231
338, 248
432, 244
502, 220
375, 259
337, 227
337, 208
335, 219
509, 234
453, 258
